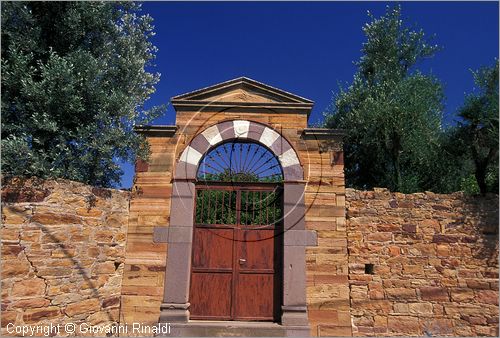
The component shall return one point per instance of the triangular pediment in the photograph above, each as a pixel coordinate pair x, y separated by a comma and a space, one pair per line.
244, 94
242, 90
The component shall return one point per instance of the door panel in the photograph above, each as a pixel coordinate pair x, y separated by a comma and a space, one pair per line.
213, 249
256, 249
254, 300
210, 295
256, 293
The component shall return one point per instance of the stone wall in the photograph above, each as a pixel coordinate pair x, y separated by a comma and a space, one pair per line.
419, 264
422, 264
63, 249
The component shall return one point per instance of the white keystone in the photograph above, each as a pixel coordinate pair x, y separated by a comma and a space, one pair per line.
241, 128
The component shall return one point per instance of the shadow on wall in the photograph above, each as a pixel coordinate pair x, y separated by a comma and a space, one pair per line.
483, 214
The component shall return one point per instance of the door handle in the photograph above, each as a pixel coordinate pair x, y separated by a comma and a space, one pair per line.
243, 261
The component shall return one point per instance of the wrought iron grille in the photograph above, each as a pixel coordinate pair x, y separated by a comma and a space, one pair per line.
242, 205
215, 206
260, 207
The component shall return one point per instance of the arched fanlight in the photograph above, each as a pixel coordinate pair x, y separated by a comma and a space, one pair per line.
238, 161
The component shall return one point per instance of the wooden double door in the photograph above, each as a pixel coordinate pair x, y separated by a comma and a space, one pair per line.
237, 253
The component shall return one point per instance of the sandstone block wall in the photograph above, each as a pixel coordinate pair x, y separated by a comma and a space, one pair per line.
434, 263
63, 250
144, 272
327, 263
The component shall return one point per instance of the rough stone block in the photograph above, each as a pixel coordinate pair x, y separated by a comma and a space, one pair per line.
323, 316
379, 306
105, 268
462, 295
410, 228
334, 331
487, 297
49, 218
376, 294
420, 308
400, 294
437, 326
379, 237
8, 317
35, 315
445, 239
29, 287
85, 306
404, 325
434, 294
30, 303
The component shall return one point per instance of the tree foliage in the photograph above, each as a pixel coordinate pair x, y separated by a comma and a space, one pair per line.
391, 112
479, 128
74, 82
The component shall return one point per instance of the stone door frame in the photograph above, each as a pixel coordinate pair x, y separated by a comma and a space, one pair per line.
178, 236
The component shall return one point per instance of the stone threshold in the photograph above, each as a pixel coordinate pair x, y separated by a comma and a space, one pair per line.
202, 328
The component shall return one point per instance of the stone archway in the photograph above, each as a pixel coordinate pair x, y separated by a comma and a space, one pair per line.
239, 129
175, 306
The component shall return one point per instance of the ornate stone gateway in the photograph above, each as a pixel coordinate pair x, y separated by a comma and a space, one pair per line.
236, 236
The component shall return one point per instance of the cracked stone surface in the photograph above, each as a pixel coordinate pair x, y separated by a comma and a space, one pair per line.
63, 251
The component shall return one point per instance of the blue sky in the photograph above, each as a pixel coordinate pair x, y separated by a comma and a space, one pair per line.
306, 48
